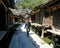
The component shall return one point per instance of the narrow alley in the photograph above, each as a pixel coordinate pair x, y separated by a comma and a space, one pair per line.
29, 23
20, 39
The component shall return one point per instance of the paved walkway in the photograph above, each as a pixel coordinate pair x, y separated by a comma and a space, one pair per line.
2, 34
20, 40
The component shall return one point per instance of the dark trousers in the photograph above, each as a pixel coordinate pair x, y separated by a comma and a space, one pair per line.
28, 30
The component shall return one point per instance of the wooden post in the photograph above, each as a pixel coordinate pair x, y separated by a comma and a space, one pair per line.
6, 15
0, 1
13, 21
42, 36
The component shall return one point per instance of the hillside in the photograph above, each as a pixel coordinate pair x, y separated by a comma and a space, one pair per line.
28, 4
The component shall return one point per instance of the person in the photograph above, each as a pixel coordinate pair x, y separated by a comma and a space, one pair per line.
27, 26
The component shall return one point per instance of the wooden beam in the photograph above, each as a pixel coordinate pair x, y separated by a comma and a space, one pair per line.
49, 3
0, 1
3, 4
9, 2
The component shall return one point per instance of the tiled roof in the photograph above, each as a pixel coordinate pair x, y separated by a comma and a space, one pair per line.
15, 12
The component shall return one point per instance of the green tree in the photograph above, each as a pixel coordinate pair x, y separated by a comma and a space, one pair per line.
29, 4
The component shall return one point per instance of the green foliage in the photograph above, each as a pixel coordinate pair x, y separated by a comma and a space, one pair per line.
29, 4
47, 40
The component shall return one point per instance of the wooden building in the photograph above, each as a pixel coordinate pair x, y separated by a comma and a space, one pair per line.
35, 15
6, 20
5, 13
49, 14
16, 15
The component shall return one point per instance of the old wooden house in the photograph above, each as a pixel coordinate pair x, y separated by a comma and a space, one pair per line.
5, 13
35, 15
49, 14
16, 15
5, 20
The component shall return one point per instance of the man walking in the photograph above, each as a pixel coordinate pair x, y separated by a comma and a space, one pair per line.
27, 26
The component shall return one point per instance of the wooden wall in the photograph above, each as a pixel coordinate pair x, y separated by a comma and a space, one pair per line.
56, 19
2, 18
53, 17
4, 14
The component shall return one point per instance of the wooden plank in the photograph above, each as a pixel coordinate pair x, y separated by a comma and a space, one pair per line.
36, 24
54, 32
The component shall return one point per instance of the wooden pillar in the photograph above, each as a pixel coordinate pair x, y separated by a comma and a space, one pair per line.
42, 36
43, 22
0, 1
13, 21
6, 16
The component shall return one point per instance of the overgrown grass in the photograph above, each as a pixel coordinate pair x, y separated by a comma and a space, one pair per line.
46, 39
35, 31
